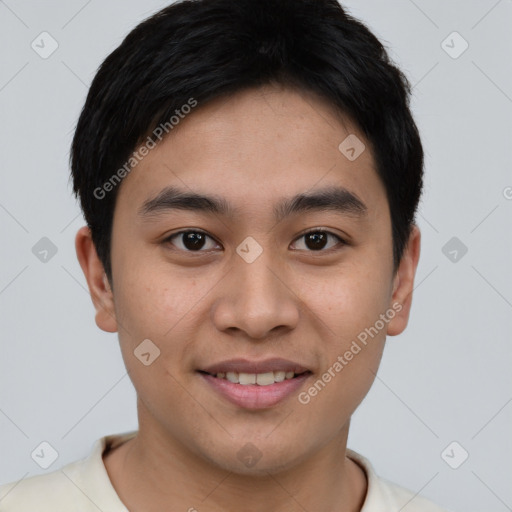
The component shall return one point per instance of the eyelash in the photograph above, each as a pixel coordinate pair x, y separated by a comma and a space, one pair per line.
341, 241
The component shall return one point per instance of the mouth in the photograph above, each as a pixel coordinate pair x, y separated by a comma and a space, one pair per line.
255, 385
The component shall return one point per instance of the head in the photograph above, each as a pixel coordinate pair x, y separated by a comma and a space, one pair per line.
247, 125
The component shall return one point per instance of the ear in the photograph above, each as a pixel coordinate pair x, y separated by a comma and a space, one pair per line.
403, 284
99, 287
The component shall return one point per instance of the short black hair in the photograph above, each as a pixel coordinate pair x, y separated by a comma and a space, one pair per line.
200, 50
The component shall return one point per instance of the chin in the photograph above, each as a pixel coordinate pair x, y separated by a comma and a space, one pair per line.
257, 458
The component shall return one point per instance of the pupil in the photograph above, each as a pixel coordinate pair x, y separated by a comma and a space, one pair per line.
193, 240
316, 240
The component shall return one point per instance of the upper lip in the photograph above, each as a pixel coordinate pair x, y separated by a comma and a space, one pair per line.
247, 366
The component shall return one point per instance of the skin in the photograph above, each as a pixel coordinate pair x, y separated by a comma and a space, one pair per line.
293, 302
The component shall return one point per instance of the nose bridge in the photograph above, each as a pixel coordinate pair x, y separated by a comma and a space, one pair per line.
256, 300
257, 279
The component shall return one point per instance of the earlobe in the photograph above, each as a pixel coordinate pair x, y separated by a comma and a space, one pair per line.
99, 287
403, 284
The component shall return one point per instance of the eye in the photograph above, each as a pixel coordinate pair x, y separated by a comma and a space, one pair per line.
197, 241
317, 239
191, 241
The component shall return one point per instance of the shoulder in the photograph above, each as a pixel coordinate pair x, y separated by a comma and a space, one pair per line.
405, 500
385, 496
81, 486
48, 492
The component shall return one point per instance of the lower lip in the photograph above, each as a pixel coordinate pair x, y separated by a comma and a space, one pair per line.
253, 396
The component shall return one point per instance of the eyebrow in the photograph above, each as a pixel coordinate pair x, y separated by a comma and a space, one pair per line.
330, 198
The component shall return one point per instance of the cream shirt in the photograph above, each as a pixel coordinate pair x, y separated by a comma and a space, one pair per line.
84, 486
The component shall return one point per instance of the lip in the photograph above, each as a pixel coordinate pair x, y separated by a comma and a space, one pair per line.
253, 396
245, 366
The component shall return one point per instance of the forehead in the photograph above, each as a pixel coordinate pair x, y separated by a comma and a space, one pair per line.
254, 146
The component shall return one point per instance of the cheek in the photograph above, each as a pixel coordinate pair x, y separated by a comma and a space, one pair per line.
153, 307
350, 353
348, 300
152, 300
161, 306
350, 309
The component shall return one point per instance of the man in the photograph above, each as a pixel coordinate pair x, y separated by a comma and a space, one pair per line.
249, 172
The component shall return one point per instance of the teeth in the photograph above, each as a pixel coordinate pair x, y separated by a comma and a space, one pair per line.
279, 376
262, 379
231, 376
247, 378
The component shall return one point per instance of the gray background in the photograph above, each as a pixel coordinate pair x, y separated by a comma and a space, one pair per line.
447, 378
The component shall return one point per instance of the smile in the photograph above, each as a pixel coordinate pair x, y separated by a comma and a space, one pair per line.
260, 379
255, 391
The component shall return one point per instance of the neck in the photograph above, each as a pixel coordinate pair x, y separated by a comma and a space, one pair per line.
154, 472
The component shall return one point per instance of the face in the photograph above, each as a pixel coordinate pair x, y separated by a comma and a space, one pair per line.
253, 281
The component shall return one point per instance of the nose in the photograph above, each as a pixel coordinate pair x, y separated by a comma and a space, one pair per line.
257, 299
